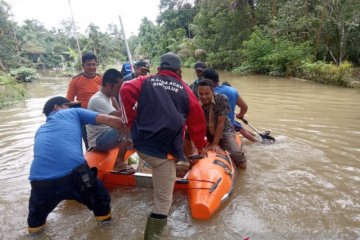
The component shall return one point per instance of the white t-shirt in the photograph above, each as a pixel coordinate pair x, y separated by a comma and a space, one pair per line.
100, 103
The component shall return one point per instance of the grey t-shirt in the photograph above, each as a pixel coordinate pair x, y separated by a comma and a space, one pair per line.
102, 104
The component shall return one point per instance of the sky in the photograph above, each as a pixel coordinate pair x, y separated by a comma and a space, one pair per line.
99, 12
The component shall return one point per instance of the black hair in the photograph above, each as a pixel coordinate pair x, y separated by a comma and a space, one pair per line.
206, 83
50, 104
87, 57
211, 74
225, 83
111, 76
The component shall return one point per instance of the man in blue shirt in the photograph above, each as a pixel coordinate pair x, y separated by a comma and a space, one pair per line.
234, 99
59, 170
142, 68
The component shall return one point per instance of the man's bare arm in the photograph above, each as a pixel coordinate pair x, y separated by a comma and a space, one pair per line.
111, 121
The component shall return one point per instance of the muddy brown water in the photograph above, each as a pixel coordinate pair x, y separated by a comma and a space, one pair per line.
305, 186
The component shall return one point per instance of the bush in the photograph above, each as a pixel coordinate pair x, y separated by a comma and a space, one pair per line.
225, 59
189, 62
24, 74
255, 49
10, 90
276, 57
327, 73
286, 57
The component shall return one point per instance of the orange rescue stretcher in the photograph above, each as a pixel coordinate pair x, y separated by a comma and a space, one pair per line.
209, 182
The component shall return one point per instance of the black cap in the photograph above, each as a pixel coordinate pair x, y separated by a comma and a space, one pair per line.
170, 61
200, 65
142, 65
50, 104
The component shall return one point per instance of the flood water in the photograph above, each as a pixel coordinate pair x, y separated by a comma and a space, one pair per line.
305, 186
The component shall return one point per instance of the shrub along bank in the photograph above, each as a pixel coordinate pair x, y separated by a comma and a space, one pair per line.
10, 90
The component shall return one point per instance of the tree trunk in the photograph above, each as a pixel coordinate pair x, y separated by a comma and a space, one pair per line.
2, 67
318, 33
332, 55
342, 43
253, 12
273, 5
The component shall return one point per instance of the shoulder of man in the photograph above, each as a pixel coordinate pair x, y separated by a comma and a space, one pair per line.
129, 76
220, 97
95, 98
77, 76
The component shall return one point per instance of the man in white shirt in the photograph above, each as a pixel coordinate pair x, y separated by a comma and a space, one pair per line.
101, 137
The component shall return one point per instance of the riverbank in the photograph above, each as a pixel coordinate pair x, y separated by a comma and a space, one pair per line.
355, 78
10, 91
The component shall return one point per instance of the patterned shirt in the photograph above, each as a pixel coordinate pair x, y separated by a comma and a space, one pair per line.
221, 108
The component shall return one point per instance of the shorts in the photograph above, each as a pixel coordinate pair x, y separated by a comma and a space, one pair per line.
110, 139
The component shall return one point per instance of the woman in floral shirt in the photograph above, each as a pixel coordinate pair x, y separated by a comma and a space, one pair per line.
219, 131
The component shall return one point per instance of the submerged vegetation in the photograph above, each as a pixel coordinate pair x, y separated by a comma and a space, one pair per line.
24, 74
313, 39
10, 90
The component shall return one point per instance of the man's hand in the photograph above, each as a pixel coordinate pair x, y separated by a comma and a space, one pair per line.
203, 152
239, 116
216, 148
125, 133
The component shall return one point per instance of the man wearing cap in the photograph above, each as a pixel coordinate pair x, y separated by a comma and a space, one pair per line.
157, 109
142, 68
59, 170
199, 68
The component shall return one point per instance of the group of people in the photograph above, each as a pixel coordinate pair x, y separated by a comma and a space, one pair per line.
149, 113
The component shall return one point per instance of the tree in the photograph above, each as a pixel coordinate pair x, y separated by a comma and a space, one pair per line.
220, 31
148, 39
8, 48
344, 15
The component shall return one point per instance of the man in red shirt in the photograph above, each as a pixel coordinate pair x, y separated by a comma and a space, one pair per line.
84, 85
157, 109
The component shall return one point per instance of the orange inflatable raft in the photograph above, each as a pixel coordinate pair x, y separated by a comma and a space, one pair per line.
209, 182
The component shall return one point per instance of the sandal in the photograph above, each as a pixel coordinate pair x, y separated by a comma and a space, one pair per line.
127, 171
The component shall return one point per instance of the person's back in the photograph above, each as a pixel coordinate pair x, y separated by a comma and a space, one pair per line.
232, 96
59, 170
57, 147
130, 76
126, 69
157, 109
165, 97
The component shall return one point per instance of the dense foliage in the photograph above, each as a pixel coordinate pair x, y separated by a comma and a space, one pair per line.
279, 37
24, 74
10, 90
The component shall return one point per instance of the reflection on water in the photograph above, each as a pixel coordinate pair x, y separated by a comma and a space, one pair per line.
305, 186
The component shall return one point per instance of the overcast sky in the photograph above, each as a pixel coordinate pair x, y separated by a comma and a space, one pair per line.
99, 12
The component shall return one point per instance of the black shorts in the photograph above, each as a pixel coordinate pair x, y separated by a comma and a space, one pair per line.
46, 195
